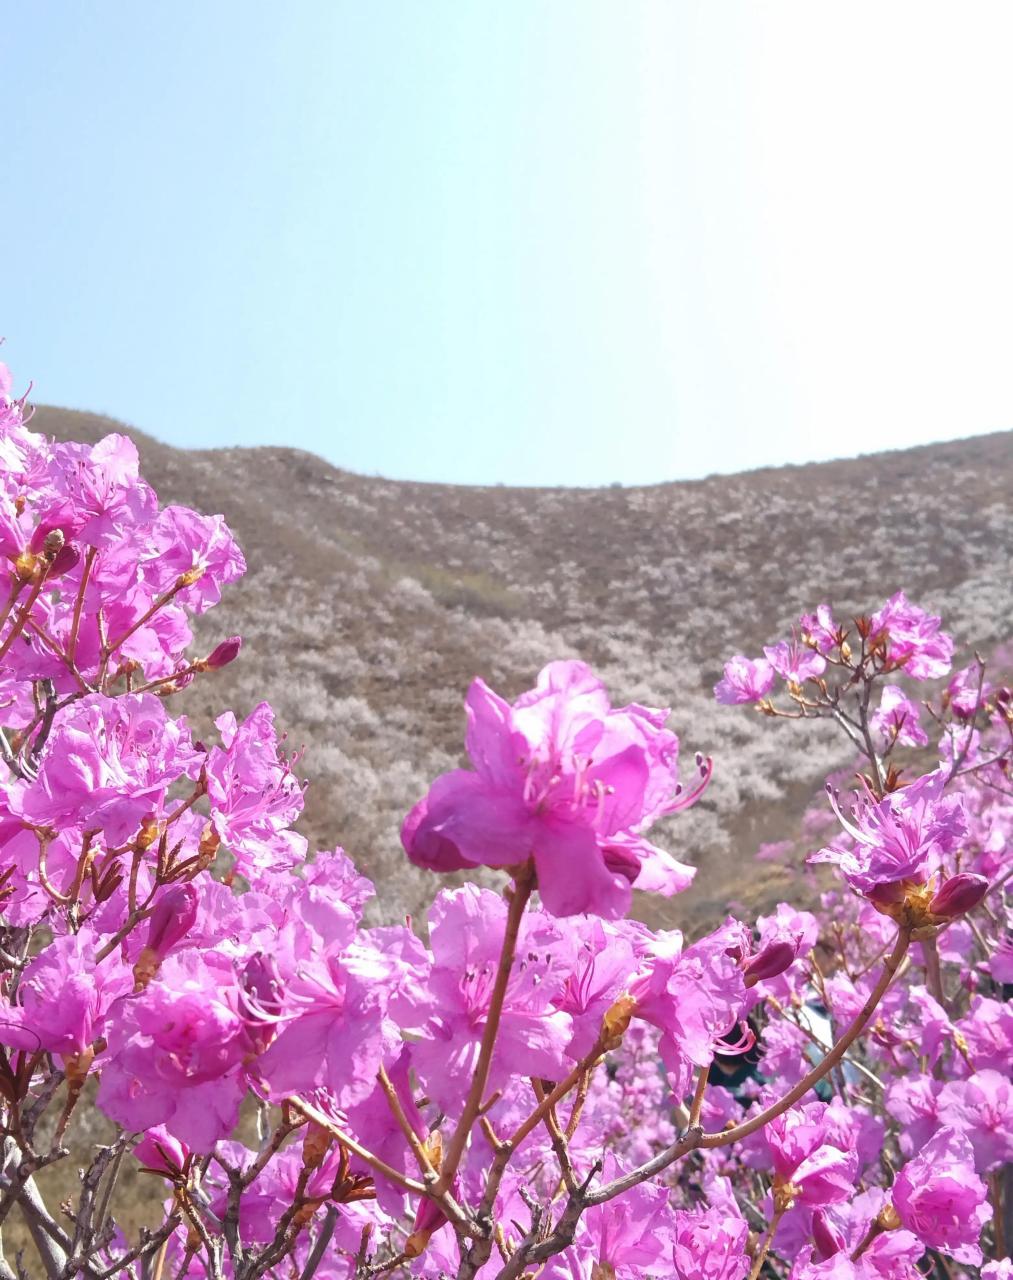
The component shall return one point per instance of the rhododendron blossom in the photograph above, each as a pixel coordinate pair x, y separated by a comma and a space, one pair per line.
809, 1167
898, 719
745, 680
912, 638
900, 838
108, 763
561, 777
939, 1198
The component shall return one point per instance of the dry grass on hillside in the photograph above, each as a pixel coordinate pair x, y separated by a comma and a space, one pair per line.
370, 604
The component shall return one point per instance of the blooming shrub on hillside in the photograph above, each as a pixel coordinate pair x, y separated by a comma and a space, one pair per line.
530, 1082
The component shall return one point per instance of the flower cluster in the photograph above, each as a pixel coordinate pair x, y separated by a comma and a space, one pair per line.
531, 1081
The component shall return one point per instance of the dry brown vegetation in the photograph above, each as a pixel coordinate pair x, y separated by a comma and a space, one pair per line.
370, 604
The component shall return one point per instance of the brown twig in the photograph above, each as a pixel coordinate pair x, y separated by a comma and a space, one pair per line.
524, 883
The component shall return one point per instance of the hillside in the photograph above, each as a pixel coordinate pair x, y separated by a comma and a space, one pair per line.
370, 604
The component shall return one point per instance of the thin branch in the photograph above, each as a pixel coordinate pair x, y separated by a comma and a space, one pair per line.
399, 1179
524, 883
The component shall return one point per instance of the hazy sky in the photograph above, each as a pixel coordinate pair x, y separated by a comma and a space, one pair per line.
539, 241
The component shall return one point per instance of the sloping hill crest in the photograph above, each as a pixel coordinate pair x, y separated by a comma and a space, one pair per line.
370, 604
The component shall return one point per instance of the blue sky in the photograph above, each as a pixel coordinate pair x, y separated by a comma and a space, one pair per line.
539, 242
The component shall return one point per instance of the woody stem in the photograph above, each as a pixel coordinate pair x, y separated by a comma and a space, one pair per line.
524, 883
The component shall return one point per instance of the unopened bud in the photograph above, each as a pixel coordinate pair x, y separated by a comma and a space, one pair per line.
208, 847
433, 1146
887, 897
76, 1067
828, 1238
603, 1271
190, 577
616, 1021
769, 962
221, 655
148, 833
159, 1151
52, 544
429, 1217
315, 1145
888, 1219
416, 1243
65, 558
146, 966
172, 917
958, 895
24, 565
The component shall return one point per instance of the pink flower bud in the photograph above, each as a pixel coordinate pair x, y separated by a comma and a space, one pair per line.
769, 962
958, 895
885, 896
160, 1151
64, 560
222, 654
172, 918
429, 1217
828, 1238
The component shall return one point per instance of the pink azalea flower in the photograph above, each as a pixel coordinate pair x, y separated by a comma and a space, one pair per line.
914, 1102
913, 639
694, 997
710, 1244
964, 693
561, 777
808, 1164
597, 972
899, 838
982, 1108
897, 719
109, 763
745, 680
784, 1052
179, 542
632, 1235
837, 1267
939, 1197
335, 1028
795, 662
819, 629
466, 931
988, 1032
1000, 964
253, 793
373, 1123
175, 1054
103, 484
784, 937
838, 1231
64, 999
336, 875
